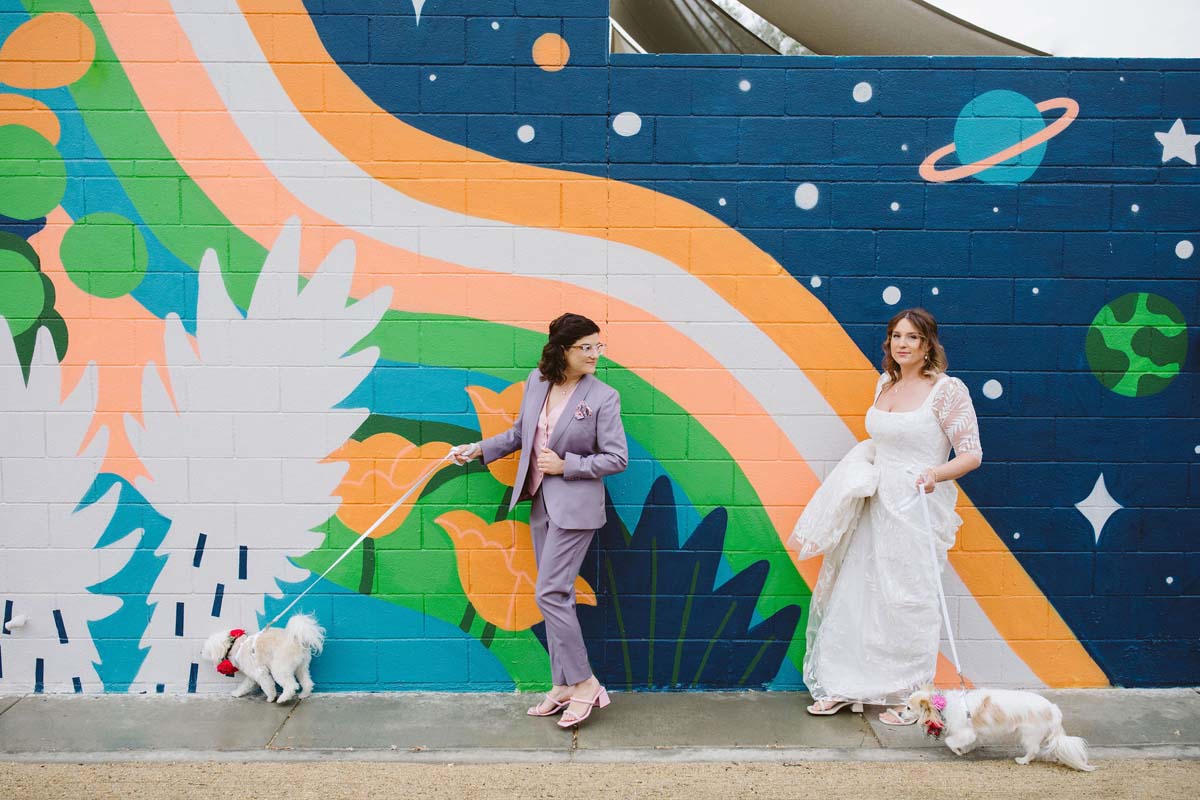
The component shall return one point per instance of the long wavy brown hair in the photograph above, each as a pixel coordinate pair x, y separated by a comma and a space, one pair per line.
564, 332
926, 325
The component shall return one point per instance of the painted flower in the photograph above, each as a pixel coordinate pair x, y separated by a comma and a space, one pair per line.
497, 411
382, 468
498, 571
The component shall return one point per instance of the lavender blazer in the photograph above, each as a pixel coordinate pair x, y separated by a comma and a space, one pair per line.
592, 445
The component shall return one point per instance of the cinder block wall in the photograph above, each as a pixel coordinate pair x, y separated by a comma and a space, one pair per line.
262, 263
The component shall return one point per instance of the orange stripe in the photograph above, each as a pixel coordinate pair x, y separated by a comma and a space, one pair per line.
257, 202
451, 176
702, 245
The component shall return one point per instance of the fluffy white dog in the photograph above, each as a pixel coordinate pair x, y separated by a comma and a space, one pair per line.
269, 657
1000, 713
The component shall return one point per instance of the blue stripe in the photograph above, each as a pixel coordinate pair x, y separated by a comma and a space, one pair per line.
159, 688
217, 597
243, 553
7, 616
179, 619
193, 673
39, 674
62, 629
200, 540
78, 685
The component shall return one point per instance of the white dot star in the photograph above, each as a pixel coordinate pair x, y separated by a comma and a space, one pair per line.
1178, 143
1098, 506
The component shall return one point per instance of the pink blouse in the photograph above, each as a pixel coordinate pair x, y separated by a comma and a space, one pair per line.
541, 438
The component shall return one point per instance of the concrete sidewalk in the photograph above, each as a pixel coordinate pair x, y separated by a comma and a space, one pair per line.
459, 728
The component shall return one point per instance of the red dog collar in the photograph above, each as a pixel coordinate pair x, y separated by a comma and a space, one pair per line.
226, 666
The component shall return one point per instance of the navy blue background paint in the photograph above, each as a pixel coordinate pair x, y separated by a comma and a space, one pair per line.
1014, 272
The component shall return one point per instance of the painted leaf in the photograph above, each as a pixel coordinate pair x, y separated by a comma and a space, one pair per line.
497, 411
382, 468
661, 623
498, 570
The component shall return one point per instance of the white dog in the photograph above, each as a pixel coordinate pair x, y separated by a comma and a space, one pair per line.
1036, 722
269, 657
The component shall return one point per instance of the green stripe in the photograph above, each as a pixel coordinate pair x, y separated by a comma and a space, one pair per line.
616, 601
712, 642
687, 614
754, 661
187, 222
653, 611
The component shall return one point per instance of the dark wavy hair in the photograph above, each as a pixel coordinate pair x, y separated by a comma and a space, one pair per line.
926, 325
564, 332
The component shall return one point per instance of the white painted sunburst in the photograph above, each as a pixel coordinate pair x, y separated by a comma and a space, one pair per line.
236, 460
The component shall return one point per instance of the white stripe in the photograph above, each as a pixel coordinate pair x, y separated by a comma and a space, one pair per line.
346, 194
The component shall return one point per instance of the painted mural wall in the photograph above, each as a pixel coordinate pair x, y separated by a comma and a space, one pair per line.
263, 262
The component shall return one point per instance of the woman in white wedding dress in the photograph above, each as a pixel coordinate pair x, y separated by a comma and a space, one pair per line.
874, 625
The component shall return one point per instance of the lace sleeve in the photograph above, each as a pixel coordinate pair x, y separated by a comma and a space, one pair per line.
954, 411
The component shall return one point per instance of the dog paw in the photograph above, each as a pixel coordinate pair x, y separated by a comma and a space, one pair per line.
1023, 760
305, 693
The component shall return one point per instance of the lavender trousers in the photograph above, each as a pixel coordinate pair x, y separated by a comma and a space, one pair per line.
559, 553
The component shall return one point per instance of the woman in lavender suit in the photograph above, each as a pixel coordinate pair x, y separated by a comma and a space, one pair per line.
570, 436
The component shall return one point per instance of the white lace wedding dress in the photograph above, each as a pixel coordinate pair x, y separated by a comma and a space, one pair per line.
874, 625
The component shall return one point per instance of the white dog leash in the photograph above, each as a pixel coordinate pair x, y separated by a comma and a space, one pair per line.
937, 577
420, 479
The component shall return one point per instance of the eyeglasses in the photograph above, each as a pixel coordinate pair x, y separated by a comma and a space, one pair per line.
588, 349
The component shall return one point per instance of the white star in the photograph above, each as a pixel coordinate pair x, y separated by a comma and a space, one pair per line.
1178, 143
1098, 506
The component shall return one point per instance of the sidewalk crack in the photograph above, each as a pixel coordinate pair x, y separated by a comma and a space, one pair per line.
5, 711
871, 729
271, 742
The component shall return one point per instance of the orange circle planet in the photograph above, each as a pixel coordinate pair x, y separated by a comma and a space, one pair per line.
551, 52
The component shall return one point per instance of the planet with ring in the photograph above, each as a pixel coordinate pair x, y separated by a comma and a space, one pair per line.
1000, 137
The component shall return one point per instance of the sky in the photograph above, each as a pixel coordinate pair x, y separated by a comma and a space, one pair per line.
1101, 28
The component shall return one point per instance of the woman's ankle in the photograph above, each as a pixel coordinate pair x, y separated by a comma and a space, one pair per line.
591, 682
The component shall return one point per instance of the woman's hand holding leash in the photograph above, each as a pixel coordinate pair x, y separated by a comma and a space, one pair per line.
465, 453
927, 480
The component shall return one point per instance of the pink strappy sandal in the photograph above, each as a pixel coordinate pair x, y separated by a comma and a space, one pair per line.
598, 700
556, 706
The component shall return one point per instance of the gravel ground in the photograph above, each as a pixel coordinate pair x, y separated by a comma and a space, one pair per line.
333, 780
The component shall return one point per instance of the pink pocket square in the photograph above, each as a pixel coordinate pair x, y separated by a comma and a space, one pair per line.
583, 411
